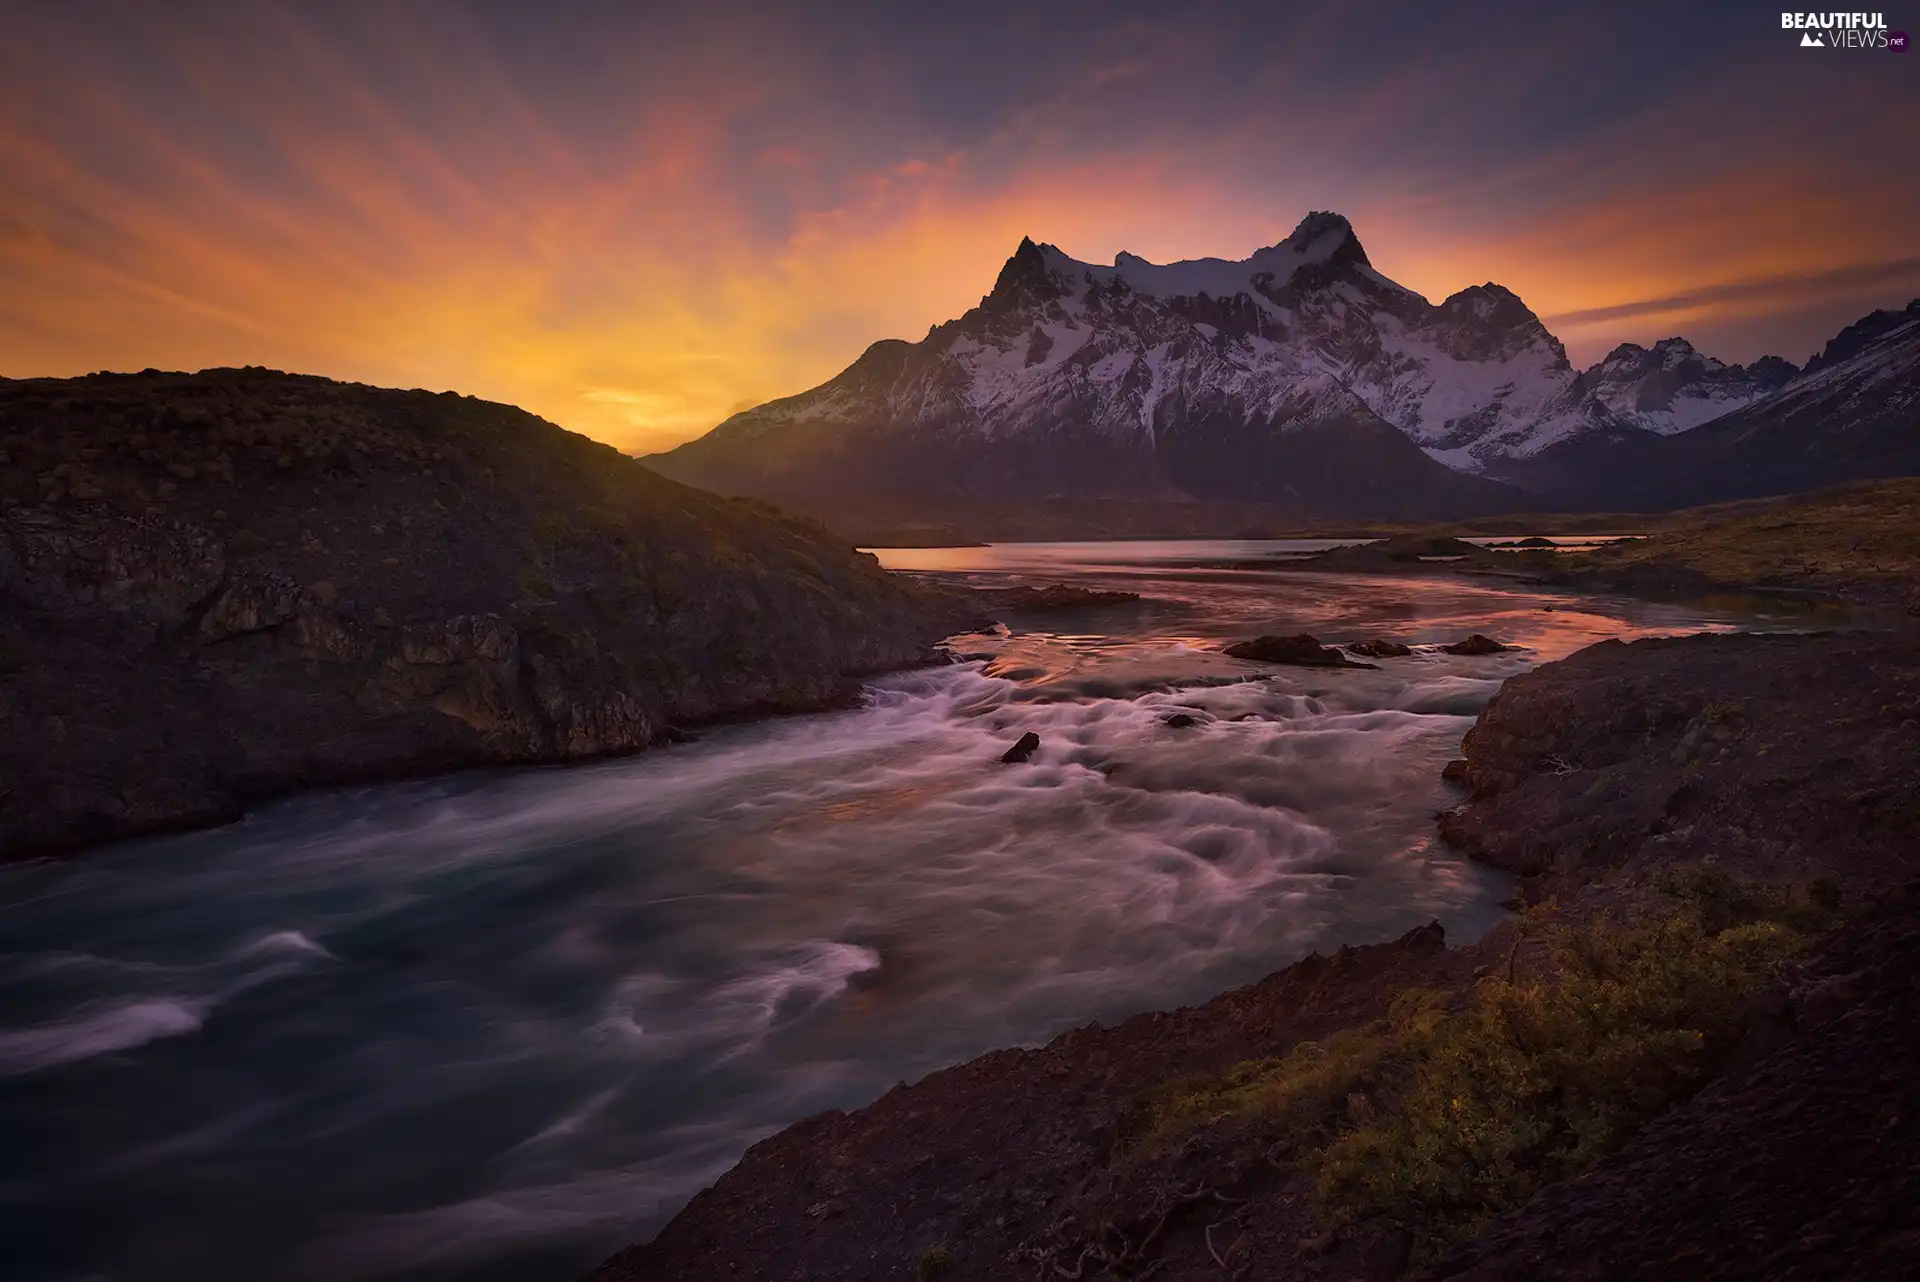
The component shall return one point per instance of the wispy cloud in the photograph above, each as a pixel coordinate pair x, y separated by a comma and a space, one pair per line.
1791, 291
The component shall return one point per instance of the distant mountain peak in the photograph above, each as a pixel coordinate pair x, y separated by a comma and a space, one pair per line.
1025, 280
1860, 335
1773, 372
1329, 235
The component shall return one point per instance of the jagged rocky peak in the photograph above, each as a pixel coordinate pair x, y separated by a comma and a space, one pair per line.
1318, 251
1490, 322
1326, 235
1862, 334
1027, 279
1680, 356
1668, 353
1495, 304
1773, 372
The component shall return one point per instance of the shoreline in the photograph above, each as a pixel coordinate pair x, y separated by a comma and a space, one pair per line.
668, 736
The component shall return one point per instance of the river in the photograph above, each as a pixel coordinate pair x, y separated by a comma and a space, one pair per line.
499, 1024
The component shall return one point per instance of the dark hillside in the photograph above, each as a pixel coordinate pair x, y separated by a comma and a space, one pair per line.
221, 585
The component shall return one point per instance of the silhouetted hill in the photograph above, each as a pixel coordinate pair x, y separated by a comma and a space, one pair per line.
222, 585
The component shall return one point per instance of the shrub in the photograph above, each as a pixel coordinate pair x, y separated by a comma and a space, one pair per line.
935, 1261
1531, 1083
1449, 1111
1299, 1091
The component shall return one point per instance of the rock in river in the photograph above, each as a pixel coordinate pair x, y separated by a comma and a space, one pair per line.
1300, 651
1019, 752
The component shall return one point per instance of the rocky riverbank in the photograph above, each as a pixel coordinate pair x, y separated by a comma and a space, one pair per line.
1690, 818
221, 586
1848, 547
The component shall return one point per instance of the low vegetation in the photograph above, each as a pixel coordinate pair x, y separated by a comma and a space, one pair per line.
1455, 1108
1867, 533
935, 1262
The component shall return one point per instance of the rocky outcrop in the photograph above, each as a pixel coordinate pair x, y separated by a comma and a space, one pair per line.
221, 586
1300, 651
1780, 755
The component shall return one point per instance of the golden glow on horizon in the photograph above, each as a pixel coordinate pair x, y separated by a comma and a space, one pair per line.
643, 296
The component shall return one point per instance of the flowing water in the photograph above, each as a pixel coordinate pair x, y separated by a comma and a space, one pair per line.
502, 1023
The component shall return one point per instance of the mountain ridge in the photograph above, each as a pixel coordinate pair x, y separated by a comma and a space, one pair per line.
1852, 414
1214, 379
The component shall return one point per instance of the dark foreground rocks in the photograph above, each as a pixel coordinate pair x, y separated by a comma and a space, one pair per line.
220, 586
1781, 755
1802, 1161
1300, 651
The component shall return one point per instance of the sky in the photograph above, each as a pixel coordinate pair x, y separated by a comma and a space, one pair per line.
635, 219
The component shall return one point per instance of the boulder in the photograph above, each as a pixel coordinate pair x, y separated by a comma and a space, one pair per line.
1028, 745
1299, 651
1180, 721
1476, 644
1379, 648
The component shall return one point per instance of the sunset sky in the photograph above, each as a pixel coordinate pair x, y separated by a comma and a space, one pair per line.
637, 218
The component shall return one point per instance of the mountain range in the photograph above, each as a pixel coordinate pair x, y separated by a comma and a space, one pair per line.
1302, 376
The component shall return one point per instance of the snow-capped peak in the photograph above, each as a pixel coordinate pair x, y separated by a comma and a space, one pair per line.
1667, 388
1040, 273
